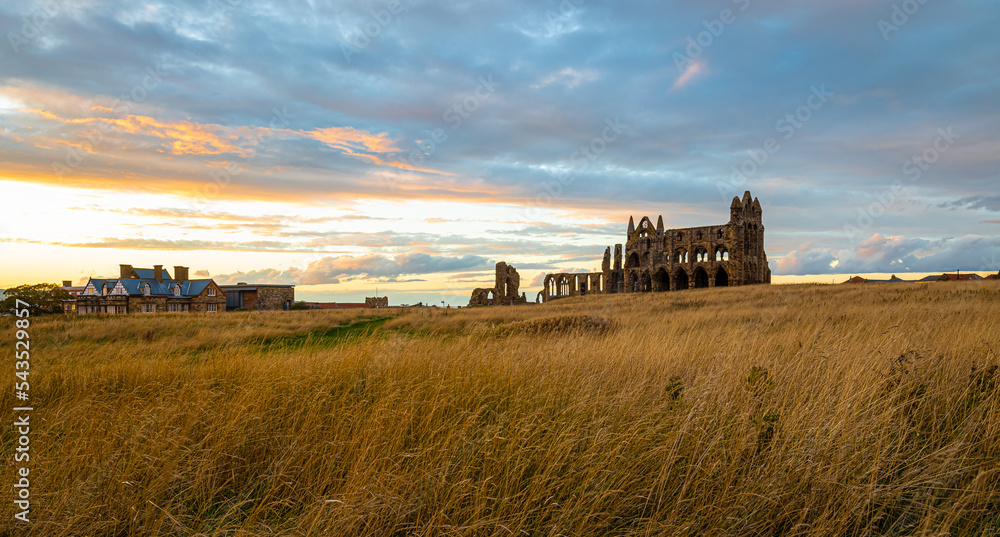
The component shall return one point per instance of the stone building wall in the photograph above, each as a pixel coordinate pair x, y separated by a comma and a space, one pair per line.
137, 304
658, 259
199, 304
274, 298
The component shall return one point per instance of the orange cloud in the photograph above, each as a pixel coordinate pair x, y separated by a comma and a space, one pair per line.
694, 68
364, 145
191, 138
184, 137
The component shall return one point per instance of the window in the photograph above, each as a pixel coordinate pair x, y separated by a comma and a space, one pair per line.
146, 289
148, 308
211, 291
212, 308
177, 290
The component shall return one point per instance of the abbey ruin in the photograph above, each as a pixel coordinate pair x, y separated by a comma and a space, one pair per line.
673, 259
504, 291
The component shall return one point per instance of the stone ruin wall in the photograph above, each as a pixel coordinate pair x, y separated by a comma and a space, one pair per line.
657, 259
505, 290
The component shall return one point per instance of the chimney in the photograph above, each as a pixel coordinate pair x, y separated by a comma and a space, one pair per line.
180, 273
125, 272
67, 283
158, 273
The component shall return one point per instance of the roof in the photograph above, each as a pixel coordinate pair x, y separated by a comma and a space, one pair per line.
963, 277
952, 277
135, 287
148, 273
245, 287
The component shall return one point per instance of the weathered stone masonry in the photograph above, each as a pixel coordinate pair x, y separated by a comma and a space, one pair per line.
658, 260
504, 291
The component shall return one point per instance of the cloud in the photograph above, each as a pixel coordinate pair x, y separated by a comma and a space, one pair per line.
352, 125
881, 253
693, 69
179, 137
330, 270
366, 146
568, 77
192, 138
990, 203
180, 244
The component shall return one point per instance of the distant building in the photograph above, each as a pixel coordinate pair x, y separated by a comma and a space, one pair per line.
259, 296
377, 301
946, 277
67, 285
147, 291
892, 279
336, 305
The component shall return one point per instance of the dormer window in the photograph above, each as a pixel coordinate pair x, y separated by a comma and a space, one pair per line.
177, 290
146, 289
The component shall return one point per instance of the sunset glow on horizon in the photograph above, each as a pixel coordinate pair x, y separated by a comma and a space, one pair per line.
352, 146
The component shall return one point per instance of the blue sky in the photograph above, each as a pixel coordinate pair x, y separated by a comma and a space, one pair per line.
411, 144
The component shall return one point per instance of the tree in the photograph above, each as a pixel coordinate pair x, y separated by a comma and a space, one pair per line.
300, 305
42, 298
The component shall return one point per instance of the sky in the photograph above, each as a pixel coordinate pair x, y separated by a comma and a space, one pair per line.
404, 147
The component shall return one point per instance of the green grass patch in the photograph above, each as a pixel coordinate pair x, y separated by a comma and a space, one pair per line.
331, 336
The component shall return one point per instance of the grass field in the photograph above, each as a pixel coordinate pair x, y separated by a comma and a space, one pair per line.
772, 410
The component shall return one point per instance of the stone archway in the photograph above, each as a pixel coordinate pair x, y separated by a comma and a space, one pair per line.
662, 280
682, 279
632, 261
700, 278
647, 282
721, 278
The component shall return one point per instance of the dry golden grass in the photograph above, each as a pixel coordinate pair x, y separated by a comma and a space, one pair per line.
782, 410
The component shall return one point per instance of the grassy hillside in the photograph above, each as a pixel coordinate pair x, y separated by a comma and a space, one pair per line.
781, 410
